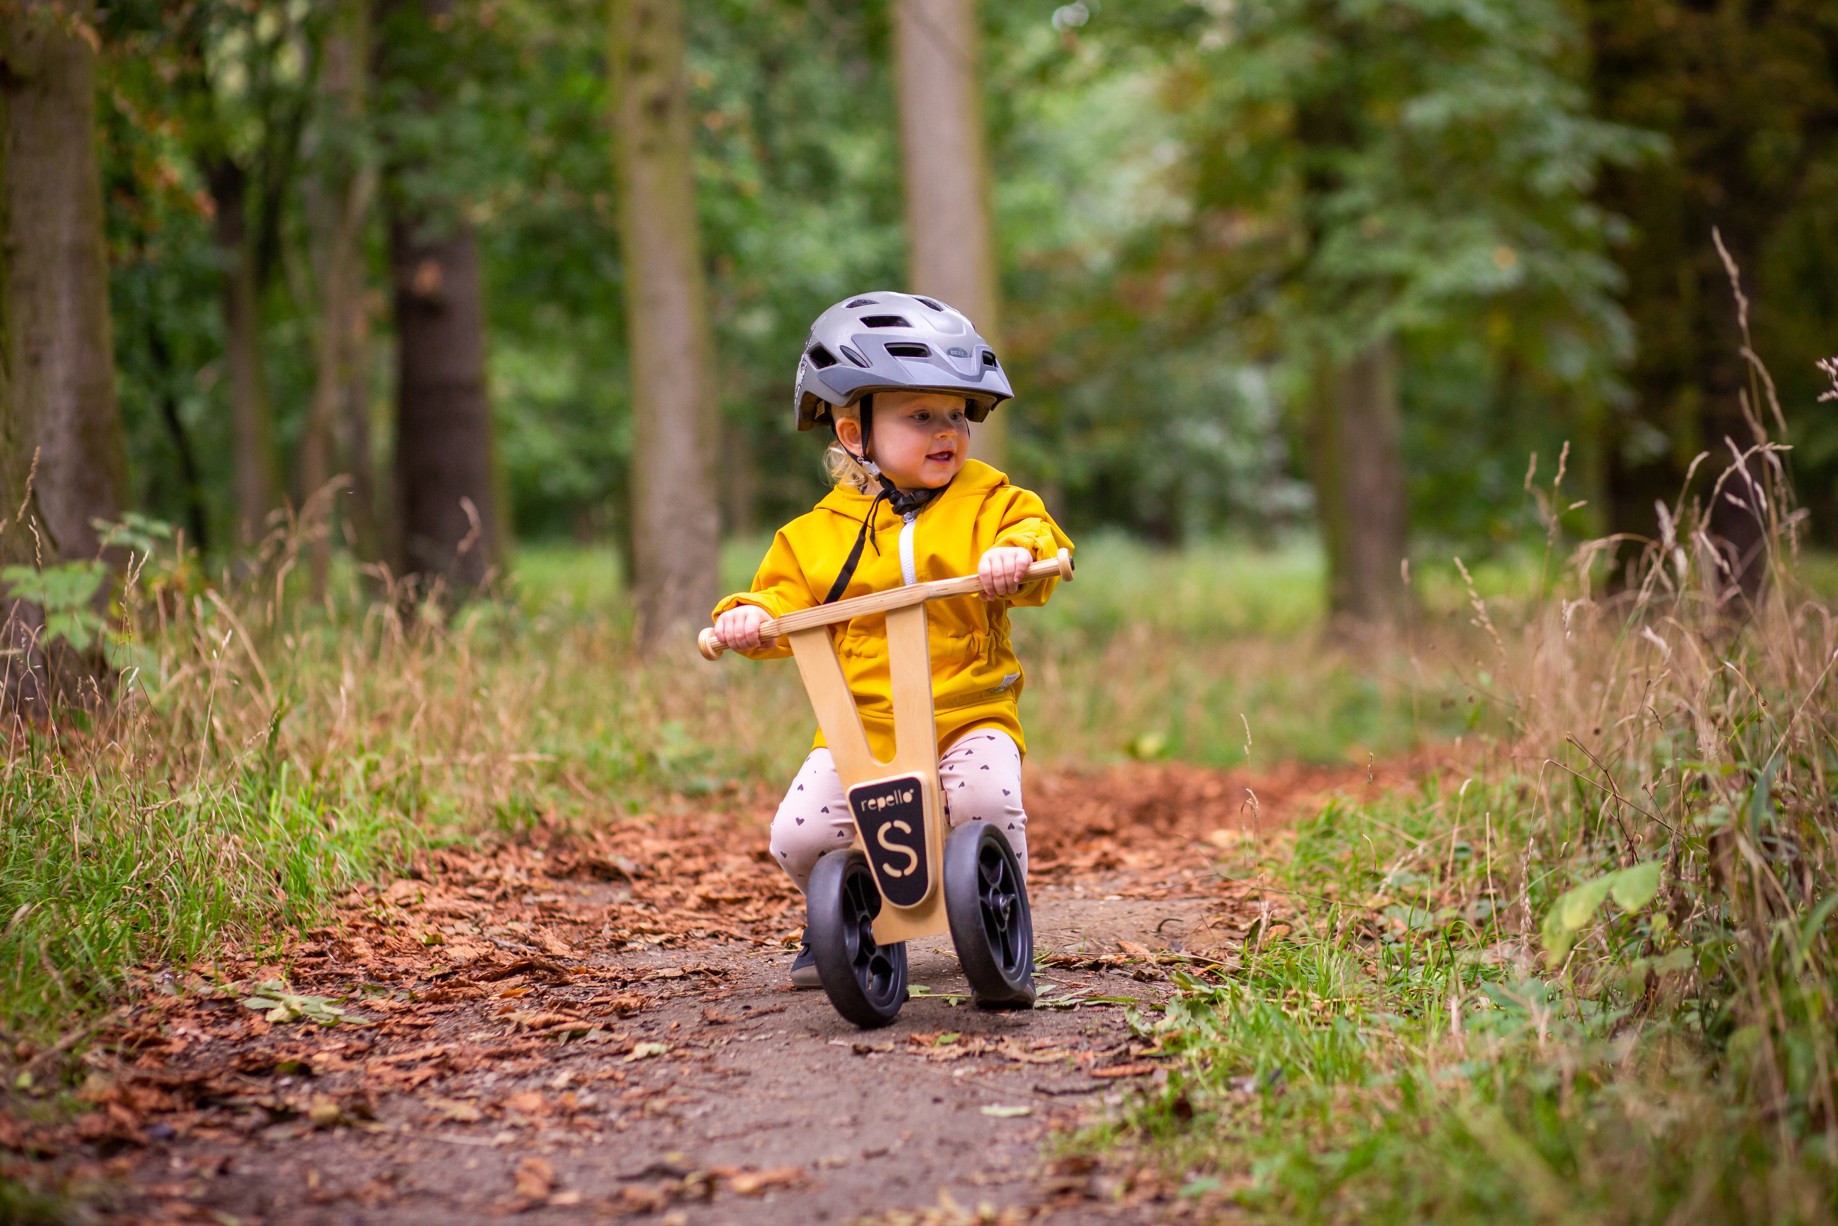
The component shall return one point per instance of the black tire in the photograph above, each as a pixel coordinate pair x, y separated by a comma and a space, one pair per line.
865, 981
991, 924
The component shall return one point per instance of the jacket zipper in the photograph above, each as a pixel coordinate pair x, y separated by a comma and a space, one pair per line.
909, 571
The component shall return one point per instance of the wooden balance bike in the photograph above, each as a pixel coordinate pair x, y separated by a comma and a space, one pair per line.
902, 878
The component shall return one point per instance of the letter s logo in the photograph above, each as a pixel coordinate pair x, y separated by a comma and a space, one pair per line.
912, 856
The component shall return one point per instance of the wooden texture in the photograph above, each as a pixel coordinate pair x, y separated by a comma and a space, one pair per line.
881, 602
915, 743
674, 494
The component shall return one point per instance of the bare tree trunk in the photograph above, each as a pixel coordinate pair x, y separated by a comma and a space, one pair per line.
446, 503
447, 522
340, 203
57, 363
366, 520
257, 479
947, 172
1359, 487
674, 518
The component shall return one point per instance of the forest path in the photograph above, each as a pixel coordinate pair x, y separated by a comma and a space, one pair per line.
598, 1023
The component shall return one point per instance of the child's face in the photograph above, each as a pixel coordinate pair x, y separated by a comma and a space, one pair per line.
920, 439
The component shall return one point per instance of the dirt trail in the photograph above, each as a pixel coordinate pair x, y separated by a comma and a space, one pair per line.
597, 1025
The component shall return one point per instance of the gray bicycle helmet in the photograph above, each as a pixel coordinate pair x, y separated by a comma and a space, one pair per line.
886, 341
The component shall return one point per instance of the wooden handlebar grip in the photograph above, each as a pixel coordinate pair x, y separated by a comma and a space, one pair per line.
711, 647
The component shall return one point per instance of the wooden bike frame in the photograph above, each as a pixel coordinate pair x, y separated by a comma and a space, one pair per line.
895, 791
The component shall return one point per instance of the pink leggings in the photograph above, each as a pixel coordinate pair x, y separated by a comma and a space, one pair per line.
981, 774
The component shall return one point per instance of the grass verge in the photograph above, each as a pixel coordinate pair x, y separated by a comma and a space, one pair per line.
1593, 981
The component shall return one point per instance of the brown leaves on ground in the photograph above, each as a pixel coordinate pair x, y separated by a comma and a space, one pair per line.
1148, 818
513, 957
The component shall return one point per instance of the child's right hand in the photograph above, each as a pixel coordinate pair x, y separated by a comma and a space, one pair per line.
738, 628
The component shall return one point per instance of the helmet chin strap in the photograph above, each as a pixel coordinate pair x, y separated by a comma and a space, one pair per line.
904, 502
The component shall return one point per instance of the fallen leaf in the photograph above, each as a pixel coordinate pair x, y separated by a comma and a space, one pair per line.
644, 1051
643, 1198
757, 1183
535, 1179
528, 1102
457, 1110
279, 1005
1124, 1070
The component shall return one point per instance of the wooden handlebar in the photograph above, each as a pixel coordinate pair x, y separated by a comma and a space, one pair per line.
1059, 567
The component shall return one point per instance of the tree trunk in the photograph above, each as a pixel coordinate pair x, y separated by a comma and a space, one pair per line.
1747, 97
1359, 487
340, 202
57, 364
674, 517
446, 503
447, 522
947, 172
252, 431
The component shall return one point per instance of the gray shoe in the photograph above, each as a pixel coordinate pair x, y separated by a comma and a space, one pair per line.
804, 966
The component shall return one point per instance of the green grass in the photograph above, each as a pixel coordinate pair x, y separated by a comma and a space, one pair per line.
1593, 979
281, 750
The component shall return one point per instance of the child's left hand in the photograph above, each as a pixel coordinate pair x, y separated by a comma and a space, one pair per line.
1003, 570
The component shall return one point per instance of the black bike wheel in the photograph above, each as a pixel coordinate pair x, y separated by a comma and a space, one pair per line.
866, 981
991, 925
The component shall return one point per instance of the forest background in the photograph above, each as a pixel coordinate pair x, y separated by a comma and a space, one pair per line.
1472, 232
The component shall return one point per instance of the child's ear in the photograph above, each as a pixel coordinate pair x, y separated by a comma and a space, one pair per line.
849, 434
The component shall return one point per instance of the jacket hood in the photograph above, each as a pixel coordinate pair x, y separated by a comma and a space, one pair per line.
975, 480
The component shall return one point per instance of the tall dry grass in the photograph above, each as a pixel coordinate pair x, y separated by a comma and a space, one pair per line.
1594, 979
257, 752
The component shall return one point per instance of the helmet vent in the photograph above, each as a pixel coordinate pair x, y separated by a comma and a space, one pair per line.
855, 357
855, 302
820, 357
908, 349
989, 359
936, 306
885, 321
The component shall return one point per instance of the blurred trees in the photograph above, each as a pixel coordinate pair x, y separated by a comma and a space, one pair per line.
938, 47
1239, 247
341, 190
241, 77
1372, 188
61, 462
447, 522
1747, 96
674, 524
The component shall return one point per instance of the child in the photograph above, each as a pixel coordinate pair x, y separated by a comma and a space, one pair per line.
899, 378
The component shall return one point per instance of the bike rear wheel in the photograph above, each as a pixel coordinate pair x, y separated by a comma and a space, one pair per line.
991, 924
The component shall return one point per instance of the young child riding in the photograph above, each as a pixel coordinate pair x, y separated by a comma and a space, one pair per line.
899, 378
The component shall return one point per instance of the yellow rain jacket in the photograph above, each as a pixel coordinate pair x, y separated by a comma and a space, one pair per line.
976, 678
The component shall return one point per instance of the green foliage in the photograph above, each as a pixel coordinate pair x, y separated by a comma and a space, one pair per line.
1389, 1046
1631, 888
66, 592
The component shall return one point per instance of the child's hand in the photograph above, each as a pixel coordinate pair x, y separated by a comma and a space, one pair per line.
738, 628
1002, 571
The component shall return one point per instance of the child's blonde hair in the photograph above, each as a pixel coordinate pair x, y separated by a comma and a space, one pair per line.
838, 465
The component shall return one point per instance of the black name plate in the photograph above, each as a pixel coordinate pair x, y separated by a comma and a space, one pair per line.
890, 813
